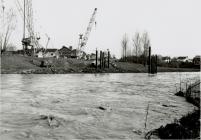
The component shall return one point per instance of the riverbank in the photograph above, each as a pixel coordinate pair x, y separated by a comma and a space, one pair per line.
17, 64
188, 127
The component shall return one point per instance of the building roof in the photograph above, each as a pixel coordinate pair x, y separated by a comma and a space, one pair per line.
93, 54
51, 50
64, 49
166, 58
182, 57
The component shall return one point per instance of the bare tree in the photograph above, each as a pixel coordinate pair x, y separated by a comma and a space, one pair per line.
137, 44
124, 44
11, 47
8, 26
128, 52
145, 43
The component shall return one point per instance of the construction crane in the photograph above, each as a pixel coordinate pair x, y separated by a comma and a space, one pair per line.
27, 16
83, 39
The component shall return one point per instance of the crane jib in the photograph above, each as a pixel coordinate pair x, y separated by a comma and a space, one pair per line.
89, 28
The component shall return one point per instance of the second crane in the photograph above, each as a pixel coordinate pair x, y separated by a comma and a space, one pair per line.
83, 39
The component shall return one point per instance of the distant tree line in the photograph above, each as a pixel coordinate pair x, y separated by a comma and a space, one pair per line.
8, 19
140, 48
137, 51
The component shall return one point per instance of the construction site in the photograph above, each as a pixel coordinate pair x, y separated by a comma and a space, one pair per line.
46, 57
33, 56
30, 40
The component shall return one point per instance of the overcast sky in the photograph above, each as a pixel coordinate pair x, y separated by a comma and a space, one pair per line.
173, 25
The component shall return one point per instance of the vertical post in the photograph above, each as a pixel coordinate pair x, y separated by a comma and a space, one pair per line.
149, 66
96, 59
100, 59
156, 63
108, 59
145, 56
152, 65
103, 60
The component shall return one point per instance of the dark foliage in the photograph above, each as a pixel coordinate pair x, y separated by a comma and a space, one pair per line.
188, 127
140, 59
180, 93
194, 101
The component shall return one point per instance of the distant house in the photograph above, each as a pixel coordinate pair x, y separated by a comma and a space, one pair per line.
66, 52
20, 51
88, 57
182, 59
51, 53
196, 60
74, 53
39, 53
81, 54
91, 56
166, 59
48, 53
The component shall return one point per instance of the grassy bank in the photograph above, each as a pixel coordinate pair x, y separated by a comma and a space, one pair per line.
23, 64
16, 64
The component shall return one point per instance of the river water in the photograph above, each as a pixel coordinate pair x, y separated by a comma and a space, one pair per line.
88, 106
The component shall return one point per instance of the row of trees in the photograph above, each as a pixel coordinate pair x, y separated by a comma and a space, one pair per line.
139, 49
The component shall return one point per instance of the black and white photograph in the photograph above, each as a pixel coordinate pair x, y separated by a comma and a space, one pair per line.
100, 69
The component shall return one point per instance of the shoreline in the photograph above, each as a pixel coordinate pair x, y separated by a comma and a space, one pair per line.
17, 64
28, 72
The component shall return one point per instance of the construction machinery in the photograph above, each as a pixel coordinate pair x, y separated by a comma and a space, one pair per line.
84, 38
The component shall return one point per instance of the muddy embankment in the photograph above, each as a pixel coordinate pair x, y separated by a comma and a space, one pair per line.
18, 64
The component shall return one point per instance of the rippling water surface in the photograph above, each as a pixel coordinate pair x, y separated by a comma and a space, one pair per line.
60, 107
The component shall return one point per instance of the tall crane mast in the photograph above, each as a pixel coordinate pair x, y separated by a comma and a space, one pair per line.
84, 39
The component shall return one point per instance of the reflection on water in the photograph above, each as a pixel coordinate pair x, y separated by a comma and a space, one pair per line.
68, 106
